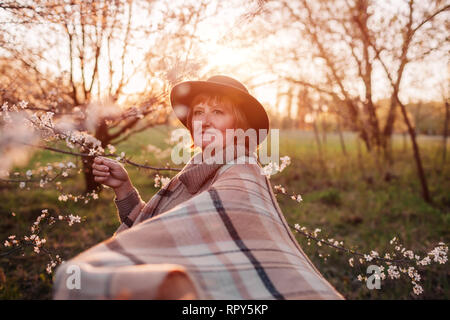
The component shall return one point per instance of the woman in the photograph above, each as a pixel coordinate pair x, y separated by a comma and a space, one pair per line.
215, 231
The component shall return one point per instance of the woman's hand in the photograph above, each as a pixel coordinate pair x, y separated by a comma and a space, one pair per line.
113, 174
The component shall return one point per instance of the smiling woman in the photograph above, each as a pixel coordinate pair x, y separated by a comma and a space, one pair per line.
214, 231
217, 112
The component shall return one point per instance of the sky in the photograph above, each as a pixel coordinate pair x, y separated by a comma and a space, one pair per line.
422, 81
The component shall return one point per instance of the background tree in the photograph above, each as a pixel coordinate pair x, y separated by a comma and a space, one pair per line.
90, 57
353, 45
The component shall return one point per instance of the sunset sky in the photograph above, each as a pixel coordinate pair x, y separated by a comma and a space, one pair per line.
422, 81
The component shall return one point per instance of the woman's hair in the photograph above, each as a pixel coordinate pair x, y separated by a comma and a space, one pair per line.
241, 120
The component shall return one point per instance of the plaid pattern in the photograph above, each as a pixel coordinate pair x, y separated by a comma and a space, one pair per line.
218, 227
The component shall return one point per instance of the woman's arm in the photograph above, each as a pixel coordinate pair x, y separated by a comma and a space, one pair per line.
124, 190
112, 174
128, 208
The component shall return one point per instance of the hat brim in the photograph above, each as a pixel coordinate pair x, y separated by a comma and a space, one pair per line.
183, 93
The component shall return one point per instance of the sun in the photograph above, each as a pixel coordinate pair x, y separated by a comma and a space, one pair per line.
226, 57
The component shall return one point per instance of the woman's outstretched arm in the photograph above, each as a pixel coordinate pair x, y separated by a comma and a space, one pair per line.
128, 201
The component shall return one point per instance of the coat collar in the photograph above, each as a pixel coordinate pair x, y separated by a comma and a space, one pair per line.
198, 170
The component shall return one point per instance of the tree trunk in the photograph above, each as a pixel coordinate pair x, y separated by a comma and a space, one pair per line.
90, 183
444, 140
420, 171
101, 133
405, 142
359, 157
341, 137
324, 133
316, 135
387, 132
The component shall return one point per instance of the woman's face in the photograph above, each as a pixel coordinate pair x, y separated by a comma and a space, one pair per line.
209, 123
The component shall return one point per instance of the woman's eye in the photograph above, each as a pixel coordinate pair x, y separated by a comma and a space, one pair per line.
197, 113
218, 111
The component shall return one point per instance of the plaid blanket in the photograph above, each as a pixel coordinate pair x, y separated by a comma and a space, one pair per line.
213, 232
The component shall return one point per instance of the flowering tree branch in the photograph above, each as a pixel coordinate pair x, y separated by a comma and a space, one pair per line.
407, 264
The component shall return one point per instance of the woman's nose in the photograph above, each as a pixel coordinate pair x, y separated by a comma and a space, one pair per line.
207, 120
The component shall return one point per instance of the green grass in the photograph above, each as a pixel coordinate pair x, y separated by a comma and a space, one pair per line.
347, 198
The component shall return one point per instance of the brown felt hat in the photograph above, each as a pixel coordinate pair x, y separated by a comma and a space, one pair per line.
183, 93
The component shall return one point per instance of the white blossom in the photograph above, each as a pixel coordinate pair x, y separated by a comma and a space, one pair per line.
413, 274
74, 219
350, 262
417, 289
285, 161
439, 253
368, 257
425, 261
280, 188
164, 181
23, 104
393, 272
111, 148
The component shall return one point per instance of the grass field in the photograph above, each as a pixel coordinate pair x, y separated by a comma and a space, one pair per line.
344, 195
